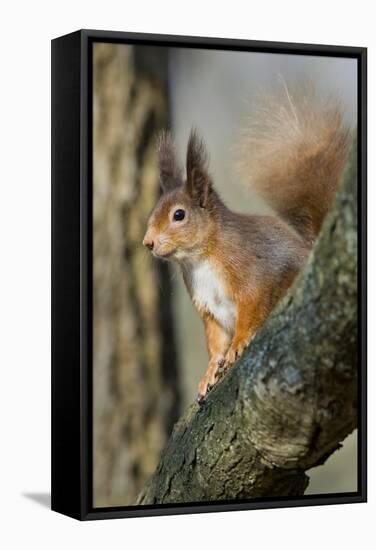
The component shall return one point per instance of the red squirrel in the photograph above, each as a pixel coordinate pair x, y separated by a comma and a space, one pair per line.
237, 267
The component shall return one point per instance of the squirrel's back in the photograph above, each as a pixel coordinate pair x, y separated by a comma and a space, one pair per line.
294, 153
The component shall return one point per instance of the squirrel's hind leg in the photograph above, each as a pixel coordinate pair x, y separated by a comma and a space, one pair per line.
218, 341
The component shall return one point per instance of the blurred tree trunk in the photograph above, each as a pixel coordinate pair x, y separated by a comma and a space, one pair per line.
136, 394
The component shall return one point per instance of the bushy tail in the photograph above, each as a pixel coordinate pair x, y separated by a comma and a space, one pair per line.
295, 151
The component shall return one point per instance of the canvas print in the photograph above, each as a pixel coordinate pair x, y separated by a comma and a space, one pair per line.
225, 316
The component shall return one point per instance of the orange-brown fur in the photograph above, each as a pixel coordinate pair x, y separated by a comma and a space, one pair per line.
236, 267
218, 341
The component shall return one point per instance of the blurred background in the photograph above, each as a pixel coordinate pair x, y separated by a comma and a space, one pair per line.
149, 348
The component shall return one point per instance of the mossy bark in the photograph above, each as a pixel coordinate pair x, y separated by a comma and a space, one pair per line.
135, 378
291, 398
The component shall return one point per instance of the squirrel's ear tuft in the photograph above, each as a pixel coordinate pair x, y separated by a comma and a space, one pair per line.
169, 169
198, 180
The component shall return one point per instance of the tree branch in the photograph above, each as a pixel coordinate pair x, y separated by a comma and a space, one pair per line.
291, 398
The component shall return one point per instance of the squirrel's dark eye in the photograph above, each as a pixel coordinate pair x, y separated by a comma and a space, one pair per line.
179, 215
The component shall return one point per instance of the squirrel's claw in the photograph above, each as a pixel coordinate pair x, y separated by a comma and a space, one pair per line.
200, 399
221, 363
234, 352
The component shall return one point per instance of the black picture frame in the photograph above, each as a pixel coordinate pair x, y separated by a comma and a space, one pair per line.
72, 264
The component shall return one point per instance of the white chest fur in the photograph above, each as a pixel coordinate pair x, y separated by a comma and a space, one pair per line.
208, 291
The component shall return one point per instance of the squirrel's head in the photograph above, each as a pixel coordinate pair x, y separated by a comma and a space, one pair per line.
180, 223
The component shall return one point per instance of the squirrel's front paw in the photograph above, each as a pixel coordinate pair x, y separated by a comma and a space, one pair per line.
209, 378
202, 389
231, 356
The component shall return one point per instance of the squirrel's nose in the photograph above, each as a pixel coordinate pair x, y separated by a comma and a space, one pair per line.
148, 243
